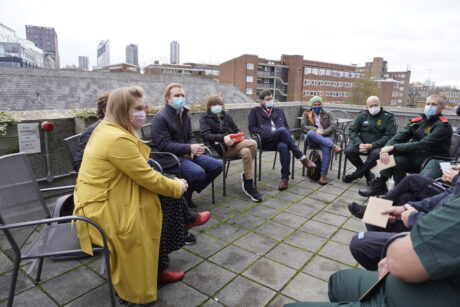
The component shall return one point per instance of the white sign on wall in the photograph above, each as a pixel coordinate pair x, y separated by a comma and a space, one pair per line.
29, 138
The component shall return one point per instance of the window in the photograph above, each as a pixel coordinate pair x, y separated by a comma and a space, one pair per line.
307, 70
314, 71
322, 72
249, 79
249, 91
250, 66
266, 80
328, 72
306, 82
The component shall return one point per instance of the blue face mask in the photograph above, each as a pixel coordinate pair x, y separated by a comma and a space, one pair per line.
269, 104
317, 110
178, 103
216, 109
430, 111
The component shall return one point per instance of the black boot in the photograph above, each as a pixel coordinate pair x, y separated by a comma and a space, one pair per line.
349, 178
369, 177
377, 187
356, 210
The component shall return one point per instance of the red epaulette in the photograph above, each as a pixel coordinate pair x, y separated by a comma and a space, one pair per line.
416, 119
443, 119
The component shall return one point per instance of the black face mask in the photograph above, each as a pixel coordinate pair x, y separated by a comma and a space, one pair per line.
457, 110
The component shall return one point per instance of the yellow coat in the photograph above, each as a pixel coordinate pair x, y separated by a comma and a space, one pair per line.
118, 189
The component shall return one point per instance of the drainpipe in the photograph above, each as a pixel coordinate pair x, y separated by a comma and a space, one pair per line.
47, 127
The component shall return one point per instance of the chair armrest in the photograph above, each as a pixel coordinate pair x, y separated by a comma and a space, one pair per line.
66, 187
425, 162
155, 165
164, 153
208, 151
221, 147
258, 139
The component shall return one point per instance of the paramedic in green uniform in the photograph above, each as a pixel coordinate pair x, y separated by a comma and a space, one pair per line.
424, 268
369, 132
426, 135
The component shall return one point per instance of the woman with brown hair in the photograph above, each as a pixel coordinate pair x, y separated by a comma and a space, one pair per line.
120, 191
217, 125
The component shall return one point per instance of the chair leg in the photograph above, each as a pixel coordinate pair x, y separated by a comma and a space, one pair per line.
109, 276
14, 279
274, 160
224, 175
292, 171
255, 171
340, 165
39, 270
305, 153
260, 164
213, 195
332, 159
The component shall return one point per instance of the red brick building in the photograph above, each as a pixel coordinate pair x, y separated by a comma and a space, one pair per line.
290, 79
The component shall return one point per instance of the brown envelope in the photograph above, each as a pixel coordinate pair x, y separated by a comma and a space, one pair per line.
373, 215
382, 166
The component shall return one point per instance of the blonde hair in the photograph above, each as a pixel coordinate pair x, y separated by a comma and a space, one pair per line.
119, 103
170, 87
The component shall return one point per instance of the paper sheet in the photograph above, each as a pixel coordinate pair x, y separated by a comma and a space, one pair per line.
382, 166
373, 215
445, 166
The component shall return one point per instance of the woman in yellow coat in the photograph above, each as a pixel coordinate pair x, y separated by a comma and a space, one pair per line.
119, 190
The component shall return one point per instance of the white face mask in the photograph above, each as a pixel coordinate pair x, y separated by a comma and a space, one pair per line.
374, 110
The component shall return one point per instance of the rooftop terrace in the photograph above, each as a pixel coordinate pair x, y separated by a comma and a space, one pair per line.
249, 254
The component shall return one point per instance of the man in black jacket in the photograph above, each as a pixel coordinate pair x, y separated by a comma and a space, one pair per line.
172, 132
270, 123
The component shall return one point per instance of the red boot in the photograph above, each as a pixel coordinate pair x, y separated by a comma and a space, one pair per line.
171, 276
201, 218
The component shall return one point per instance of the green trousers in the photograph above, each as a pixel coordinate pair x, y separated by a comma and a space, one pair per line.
432, 169
347, 286
405, 163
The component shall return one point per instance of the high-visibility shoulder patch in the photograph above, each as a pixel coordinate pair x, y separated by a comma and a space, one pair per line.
416, 119
443, 119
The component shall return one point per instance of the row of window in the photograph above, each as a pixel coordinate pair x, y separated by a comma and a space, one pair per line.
395, 101
397, 94
325, 93
327, 83
333, 73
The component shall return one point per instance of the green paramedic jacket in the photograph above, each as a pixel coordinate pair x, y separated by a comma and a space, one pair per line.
432, 136
372, 129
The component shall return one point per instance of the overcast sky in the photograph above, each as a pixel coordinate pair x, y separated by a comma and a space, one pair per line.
422, 35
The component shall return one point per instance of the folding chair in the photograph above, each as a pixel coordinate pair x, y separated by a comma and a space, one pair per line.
23, 210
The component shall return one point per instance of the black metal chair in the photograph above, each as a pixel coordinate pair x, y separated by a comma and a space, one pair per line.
221, 154
23, 210
72, 145
258, 139
454, 152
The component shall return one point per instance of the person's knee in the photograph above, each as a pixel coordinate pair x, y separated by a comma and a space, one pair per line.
245, 153
283, 147
196, 176
334, 284
350, 151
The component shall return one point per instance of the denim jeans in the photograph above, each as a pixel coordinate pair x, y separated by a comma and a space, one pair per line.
283, 142
316, 140
199, 173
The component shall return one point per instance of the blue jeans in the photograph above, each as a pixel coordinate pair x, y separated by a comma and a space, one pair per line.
199, 173
316, 140
283, 142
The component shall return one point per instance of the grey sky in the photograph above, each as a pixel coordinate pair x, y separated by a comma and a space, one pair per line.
422, 34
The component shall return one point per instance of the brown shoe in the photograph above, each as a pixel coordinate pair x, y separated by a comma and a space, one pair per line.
283, 184
308, 163
336, 149
322, 180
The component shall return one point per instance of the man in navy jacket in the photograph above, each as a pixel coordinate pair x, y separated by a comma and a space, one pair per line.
270, 123
172, 132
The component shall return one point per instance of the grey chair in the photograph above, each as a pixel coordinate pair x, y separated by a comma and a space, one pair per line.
23, 211
72, 145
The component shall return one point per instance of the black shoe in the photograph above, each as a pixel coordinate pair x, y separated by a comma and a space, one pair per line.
349, 178
249, 190
190, 238
356, 210
369, 177
377, 187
